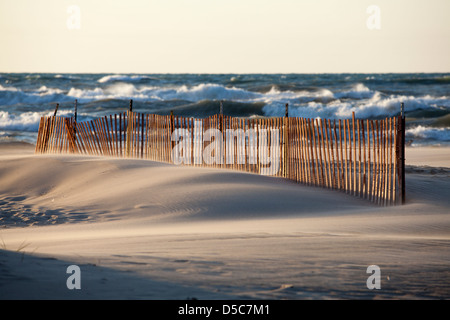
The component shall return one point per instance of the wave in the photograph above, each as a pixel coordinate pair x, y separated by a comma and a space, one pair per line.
116, 91
206, 108
66, 77
213, 92
358, 91
43, 91
192, 94
26, 121
303, 102
12, 95
429, 133
375, 107
124, 78
200, 92
2, 88
203, 91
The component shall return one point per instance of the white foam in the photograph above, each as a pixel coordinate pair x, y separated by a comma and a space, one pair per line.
118, 77
358, 91
193, 94
116, 91
214, 92
12, 95
122, 90
2, 88
48, 91
295, 96
422, 132
203, 91
66, 76
322, 103
376, 106
26, 121
81, 93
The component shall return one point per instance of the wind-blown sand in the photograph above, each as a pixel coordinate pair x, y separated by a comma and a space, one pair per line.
145, 230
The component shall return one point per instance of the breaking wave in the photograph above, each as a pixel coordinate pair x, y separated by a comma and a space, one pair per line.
124, 78
24, 98
26, 121
429, 133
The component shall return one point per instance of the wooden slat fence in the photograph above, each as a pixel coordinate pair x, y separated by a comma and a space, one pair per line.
357, 156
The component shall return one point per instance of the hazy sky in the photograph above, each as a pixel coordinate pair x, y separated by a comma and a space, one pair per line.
224, 36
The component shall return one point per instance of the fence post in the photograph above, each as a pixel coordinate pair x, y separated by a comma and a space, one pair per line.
70, 137
129, 127
221, 116
402, 151
285, 142
50, 124
75, 112
75, 122
172, 128
56, 109
399, 150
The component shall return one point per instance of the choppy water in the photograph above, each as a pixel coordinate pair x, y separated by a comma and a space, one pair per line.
24, 98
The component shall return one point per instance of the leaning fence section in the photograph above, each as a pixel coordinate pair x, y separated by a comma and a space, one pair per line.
357, 156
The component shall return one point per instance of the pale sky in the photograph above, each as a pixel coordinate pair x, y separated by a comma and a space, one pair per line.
224, 36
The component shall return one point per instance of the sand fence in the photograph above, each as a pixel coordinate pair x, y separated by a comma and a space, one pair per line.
361, 157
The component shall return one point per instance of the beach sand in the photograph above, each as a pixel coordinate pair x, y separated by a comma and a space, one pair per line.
147, 230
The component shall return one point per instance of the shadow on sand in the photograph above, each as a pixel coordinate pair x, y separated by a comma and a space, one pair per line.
26, 276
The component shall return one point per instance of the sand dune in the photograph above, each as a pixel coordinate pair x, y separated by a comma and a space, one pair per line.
147, 230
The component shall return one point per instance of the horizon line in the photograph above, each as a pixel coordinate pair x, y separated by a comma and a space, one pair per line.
227, 73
